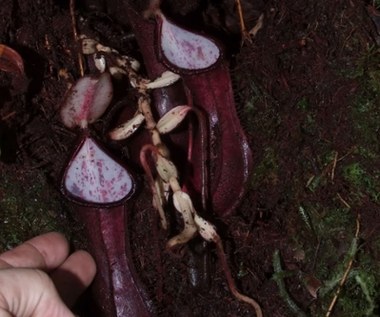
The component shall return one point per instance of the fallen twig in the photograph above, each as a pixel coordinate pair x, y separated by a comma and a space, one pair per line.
75, 33
352, 253
334, 165
344, 202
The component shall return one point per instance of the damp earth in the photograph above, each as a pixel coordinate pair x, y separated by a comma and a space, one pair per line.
307, 92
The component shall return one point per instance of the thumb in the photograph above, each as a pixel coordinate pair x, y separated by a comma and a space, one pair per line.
29, 293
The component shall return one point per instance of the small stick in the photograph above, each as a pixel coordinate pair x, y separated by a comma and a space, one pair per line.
257, 27
344, 202
7, 116
75, 33
243, 29
348, 153
348, 269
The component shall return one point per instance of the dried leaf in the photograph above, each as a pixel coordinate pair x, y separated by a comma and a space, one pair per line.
89, 46
10, 60
312, 285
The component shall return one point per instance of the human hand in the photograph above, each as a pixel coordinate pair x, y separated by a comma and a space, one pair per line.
40, 279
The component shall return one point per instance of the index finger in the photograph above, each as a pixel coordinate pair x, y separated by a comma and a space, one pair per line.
44, 252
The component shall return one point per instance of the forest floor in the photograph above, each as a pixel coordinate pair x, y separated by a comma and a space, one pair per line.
308, 92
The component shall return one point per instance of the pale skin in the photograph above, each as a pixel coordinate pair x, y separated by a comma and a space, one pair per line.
40, 278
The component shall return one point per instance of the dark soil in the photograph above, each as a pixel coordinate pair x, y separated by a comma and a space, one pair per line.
308, 92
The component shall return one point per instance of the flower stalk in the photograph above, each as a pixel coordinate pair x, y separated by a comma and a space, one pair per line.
164, 178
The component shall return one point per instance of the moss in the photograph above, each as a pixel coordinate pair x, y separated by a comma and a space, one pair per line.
362, 182
360, 294
364, 110
365, 115
267, 169
327, 237
303, 104
258, 113
363, 174
319, 221
326, 228
29, 206
355, 174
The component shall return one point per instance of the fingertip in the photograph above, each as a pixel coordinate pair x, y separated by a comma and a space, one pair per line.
53, 246
74, 276
87, 264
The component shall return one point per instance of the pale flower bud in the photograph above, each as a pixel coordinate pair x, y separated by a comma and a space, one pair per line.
166, 79
165, 168
205, 229
125, 130
172, 119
